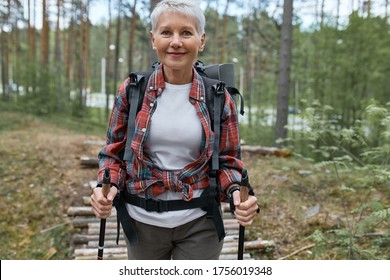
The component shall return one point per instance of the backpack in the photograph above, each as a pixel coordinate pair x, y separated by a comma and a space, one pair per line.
216, 78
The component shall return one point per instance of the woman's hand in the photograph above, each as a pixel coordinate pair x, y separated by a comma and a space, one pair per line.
245, 211
102, 206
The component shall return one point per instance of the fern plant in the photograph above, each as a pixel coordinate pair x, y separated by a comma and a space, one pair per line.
364, 152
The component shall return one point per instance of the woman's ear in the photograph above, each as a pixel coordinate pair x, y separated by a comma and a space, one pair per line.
202, 42
152, 40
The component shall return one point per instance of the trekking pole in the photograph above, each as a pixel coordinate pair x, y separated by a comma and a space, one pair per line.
105, 190
244, 194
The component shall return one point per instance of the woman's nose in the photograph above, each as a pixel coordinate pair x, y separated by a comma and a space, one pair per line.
176, 41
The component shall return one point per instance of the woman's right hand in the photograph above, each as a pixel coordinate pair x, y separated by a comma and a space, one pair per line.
102, 206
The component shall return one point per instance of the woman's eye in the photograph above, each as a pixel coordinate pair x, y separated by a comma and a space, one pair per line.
165, 33
187, 33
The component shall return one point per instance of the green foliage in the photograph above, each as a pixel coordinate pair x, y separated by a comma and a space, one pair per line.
252, 135
378, 134
346, 152
344, 67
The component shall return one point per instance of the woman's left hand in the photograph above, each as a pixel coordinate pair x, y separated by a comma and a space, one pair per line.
245, 211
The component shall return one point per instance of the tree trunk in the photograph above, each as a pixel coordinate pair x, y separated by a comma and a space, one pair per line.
216, 35
117, 45
86, 42
79, 55
338, 14
72, 35
284, 73
31, 49
369, 7
44, 36
152, 57
249, 69
4, 64
57, 59
108, 59
133, 26
224, 32
30, 36
322, 14
57, 51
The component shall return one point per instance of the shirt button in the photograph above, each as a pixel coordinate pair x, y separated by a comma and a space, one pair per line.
201, 98
151, 104
150, 88
159, 90
143, 130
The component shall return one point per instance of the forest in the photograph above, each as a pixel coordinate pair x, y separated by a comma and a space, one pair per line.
313, 74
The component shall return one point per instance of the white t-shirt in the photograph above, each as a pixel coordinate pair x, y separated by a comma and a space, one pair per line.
174, 141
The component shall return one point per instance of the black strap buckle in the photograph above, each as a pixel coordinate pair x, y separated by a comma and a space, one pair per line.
155, 65
133, 79
199, 66
156, 205
220, 88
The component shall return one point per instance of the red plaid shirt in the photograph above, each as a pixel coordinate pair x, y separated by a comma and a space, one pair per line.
142, 176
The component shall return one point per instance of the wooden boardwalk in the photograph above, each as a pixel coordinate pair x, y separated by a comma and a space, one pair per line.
86, 234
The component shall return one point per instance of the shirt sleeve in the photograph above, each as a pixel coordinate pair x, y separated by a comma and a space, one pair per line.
111, 155
230, 150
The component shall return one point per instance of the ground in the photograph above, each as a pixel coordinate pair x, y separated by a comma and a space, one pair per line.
41, 176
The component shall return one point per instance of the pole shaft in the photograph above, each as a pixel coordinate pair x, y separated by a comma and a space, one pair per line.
241, 235
105, 190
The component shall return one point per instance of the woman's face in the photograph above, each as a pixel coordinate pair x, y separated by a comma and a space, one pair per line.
177, 42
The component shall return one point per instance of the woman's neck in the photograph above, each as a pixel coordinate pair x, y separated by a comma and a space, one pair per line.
178, 77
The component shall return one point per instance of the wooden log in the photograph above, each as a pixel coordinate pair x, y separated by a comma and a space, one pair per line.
234, 257
106, 257
95, 142
74, 211
93, 251
87, 200
249, 245
82, 222
232, 232
231, 238
110, 224
87, 161
107, 243
85, 238
80, 211
265, 151
96, 231
259, 245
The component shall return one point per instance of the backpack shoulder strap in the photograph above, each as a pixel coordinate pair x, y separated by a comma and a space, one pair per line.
209, 83
215, 100
135, 92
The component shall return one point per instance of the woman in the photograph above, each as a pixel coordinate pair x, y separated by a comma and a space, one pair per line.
172, 145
